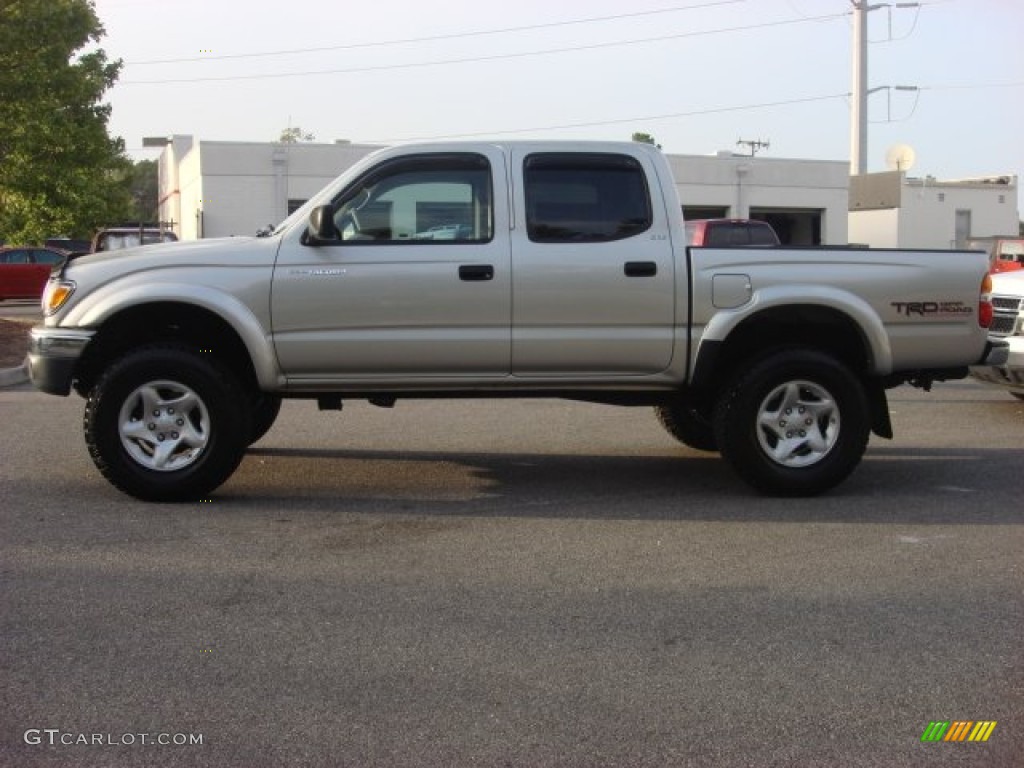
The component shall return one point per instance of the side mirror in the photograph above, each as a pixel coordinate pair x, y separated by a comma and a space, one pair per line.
321, 226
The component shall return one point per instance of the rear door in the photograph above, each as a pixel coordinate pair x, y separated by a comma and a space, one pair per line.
594, 274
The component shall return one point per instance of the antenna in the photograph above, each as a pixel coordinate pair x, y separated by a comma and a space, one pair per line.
753, 144
900, 157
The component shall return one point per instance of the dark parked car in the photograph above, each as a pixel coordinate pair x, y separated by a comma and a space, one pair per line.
726, 232
24, 270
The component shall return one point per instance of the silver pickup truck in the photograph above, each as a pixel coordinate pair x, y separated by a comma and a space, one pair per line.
493, 270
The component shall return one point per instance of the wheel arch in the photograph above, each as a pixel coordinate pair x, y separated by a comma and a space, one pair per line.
811, 326
195, 326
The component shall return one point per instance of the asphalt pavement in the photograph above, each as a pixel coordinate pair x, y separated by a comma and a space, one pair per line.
514, 584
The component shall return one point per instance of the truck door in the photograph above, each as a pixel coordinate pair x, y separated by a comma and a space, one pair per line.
593, 269
418, 282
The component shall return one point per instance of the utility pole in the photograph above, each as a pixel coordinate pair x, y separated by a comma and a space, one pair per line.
859, 90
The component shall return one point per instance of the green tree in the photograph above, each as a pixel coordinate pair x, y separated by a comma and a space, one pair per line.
60, 171
144, 185
294, 135
645, 138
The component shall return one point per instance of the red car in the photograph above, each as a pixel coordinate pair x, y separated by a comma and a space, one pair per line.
24, 270
730, 232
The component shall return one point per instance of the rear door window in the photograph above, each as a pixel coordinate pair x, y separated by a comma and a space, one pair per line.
46, 257
581, 197
17, 257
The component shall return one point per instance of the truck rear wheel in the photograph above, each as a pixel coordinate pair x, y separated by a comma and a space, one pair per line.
166, 424
795, 424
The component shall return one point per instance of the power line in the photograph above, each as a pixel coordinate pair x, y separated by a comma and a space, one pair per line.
676, 115
479, 59
918, 90
971, 86
434, 38
618, 121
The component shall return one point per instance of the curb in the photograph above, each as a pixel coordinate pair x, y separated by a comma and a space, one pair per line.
9, 377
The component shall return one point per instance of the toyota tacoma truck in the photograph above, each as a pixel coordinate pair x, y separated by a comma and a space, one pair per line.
483, 270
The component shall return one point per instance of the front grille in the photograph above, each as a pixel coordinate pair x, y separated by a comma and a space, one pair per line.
1003, 325
1007, 303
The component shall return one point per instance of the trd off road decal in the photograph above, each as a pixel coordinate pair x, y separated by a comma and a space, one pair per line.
932, 308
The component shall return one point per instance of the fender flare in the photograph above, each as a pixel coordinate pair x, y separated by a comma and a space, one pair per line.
116, 297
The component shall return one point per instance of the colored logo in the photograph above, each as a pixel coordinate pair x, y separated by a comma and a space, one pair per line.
958, 730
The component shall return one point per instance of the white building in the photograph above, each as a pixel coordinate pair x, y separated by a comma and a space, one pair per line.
892, 210
805, 201
223, 188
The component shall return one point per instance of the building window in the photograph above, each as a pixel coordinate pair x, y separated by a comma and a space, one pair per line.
942, 197
294, 205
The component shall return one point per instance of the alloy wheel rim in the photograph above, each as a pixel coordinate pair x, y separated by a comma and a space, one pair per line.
164, 425
798, 424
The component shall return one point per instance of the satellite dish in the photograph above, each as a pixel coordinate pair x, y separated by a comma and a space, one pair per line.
900, 157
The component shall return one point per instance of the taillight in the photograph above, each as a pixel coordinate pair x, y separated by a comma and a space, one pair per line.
985, 311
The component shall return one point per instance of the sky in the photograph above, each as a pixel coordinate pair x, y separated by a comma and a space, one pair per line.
699, 75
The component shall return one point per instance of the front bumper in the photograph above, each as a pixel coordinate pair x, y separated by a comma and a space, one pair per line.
1007, 370
53, 354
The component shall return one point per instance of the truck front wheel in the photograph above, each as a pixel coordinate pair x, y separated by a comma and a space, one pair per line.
164, 423
263, 414
795, 424
688, 425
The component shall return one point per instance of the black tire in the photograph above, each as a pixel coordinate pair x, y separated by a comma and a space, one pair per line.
796, 424
263, 414
193, 434
688, 425
1018, 395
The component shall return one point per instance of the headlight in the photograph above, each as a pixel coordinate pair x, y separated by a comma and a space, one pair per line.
56, 294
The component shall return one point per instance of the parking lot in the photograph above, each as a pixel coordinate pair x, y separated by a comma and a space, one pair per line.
515, 584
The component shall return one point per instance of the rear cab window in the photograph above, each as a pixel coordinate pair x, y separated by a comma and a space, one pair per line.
115, 239
727, 233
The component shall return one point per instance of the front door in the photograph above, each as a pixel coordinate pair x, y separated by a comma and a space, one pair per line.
418, 282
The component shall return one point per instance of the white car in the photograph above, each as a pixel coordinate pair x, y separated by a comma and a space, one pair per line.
1007, 324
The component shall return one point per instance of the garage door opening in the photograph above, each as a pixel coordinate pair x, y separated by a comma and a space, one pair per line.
794, 226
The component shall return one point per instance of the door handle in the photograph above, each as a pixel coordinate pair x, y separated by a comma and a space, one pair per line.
476, 272
640, 269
